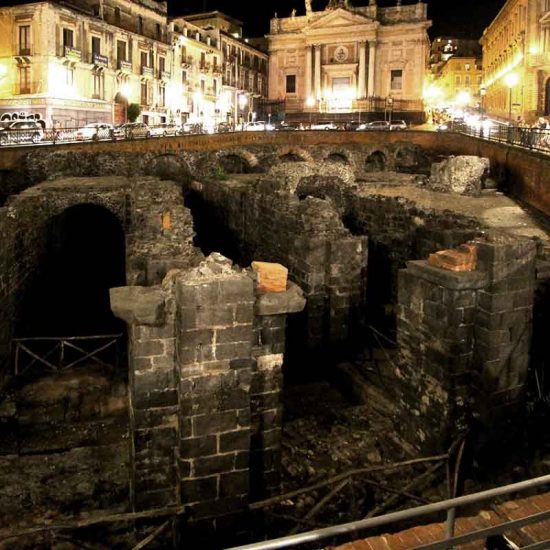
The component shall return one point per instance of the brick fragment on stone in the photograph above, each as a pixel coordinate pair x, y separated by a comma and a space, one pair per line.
270, 277
463, 258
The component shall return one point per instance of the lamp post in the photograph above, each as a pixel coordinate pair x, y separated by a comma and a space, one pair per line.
310, 103
511, 79
482, 93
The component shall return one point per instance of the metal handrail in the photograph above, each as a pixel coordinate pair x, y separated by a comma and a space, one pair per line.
412, 513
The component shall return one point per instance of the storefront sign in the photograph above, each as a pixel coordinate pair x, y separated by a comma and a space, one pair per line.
73, 53
100, 60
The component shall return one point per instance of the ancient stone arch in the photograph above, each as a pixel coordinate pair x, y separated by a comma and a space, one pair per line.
288, 152
376, 161
238, 161
338, 155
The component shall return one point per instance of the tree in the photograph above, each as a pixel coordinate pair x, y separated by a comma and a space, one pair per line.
133, 111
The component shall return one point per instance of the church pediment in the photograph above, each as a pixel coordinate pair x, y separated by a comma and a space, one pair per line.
337, 19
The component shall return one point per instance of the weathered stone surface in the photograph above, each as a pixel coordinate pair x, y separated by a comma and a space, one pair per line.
270, 277
276, 303
138, 305
461, 174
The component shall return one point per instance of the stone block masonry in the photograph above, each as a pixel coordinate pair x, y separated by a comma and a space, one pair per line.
464, 340
206, 353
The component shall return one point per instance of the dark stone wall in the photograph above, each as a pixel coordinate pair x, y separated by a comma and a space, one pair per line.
308, 237
158, 229
464, 339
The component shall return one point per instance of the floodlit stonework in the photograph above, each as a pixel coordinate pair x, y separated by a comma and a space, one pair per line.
344, 58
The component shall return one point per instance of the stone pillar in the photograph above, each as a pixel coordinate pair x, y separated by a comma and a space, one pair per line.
372, 67
214, 310
152, 393
503, 322
271, 311
318, 90
309, 71
435, 334
361, 91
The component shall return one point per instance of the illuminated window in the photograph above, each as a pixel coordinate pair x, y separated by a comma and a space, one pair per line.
162, 96
25, 80
467, 66
120, 50
290, 83
25, 40
458, 80
203, 59
467, 80
143, 58
96, 45
396, 79
183, 54
68, 37
162, 65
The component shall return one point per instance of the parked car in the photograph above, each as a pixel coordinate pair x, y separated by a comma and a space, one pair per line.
258, 126
20, 131
164, 129
375, 125
324, 125
132, 130
224, 127
286, 127
352, 125
95, 131
191, 128
398, 125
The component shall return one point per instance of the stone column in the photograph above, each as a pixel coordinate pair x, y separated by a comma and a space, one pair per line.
362, 71
317, 71
372, 63
309, 63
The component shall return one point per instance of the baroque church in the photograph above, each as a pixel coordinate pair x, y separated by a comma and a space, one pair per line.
348, 57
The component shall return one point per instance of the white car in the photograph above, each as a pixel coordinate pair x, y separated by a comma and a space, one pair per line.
398, 125
258, 126
164, 129
95, 131
326, 125
375, 125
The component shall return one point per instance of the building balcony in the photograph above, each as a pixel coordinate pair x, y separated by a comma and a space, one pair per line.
217, 70
147, 72
71, 53
99, 60
186, 62
164, 75
124, 66
204, 67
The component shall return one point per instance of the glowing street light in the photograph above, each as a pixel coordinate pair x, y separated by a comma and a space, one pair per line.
511, 80
463, 98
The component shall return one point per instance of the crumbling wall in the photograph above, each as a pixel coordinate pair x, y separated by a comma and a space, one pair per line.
464, 337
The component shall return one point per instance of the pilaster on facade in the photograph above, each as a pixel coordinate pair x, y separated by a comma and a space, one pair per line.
349, 54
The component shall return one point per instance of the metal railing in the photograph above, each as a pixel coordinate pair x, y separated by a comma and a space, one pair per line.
535, 139
352, 528
62, 353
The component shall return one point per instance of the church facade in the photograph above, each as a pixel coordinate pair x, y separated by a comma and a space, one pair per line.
347, 58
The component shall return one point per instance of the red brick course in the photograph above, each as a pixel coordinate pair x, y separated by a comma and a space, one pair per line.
425, 534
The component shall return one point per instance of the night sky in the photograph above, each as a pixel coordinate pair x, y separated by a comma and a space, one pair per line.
461, 18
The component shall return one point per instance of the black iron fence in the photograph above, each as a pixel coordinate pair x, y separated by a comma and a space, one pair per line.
61, 353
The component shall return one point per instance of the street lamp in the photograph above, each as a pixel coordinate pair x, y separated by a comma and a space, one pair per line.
310, 103
511, 79
482, 93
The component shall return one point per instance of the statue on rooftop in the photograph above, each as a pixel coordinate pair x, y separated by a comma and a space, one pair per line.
308, 7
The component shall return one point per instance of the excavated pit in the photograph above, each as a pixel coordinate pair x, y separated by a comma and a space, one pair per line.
346, 230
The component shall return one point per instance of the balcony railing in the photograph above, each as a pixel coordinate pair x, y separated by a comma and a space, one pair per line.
164, 75
99, 60
187, 61
124, 66
147, 71
204, 67
24, 51
72, 53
